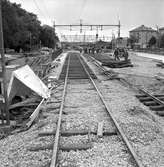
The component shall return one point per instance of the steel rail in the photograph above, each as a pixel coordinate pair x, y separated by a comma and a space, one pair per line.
57, 135
98, 65
150, 95
123, 80
138, 163
135, 88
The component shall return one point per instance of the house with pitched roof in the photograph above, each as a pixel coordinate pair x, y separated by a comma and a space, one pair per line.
161, 30
142, 35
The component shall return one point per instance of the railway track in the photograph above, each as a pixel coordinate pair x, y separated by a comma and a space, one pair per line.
154, 101
76, 71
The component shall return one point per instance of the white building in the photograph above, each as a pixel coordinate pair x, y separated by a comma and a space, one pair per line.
143, 35
161, 30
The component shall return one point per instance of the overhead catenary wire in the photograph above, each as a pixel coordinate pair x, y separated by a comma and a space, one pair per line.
46, 9
39, 10
82, 8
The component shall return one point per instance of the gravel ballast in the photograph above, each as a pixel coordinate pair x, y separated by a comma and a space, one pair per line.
144, 130
15, 149
83, 110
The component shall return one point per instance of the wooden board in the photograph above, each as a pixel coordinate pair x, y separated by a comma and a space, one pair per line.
100, 129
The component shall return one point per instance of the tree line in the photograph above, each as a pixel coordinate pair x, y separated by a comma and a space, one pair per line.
23, 30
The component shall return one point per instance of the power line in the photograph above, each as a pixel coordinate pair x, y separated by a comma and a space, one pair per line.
47, 10
83, 7
39, 10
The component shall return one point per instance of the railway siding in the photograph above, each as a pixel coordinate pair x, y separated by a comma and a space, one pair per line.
144, 130
82, 113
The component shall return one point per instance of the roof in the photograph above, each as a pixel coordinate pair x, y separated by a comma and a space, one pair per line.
142, 28
162, 28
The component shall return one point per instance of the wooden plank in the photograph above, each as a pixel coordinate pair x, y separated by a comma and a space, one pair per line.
61, 147
100, 129
23, 103
150, 103
157, 108
77, 132
35, 114
160, 113
76, 147
65, 133
38, 147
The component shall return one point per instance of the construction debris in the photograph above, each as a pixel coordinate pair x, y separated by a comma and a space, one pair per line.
118, 64
100, 129
160, 77
23, 81
160, 64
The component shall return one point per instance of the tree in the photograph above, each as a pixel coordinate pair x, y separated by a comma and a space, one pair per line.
152, 41
22, 29
10, 26
48, 36
162, 41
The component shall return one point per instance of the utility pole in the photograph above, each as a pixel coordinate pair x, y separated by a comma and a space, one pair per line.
30, 41
158, 37
84, 38
119, 27
81, 29
6, 108
97, 33
55, 34
54, 27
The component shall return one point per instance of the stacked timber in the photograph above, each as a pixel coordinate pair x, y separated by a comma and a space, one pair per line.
118, 63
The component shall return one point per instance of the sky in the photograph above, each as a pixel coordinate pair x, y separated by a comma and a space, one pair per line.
131, 13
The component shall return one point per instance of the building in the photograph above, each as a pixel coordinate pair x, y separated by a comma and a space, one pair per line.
142, 35
121, 42
161, 30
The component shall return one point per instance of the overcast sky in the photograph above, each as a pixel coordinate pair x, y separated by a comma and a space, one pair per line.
132, 13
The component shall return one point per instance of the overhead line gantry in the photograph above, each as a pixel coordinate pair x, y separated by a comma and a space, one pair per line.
81, 25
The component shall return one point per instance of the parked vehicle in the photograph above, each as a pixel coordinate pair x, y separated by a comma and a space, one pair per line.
45, 50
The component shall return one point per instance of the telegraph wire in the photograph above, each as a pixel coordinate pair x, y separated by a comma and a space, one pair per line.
83, 7
47, 11
38, 8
